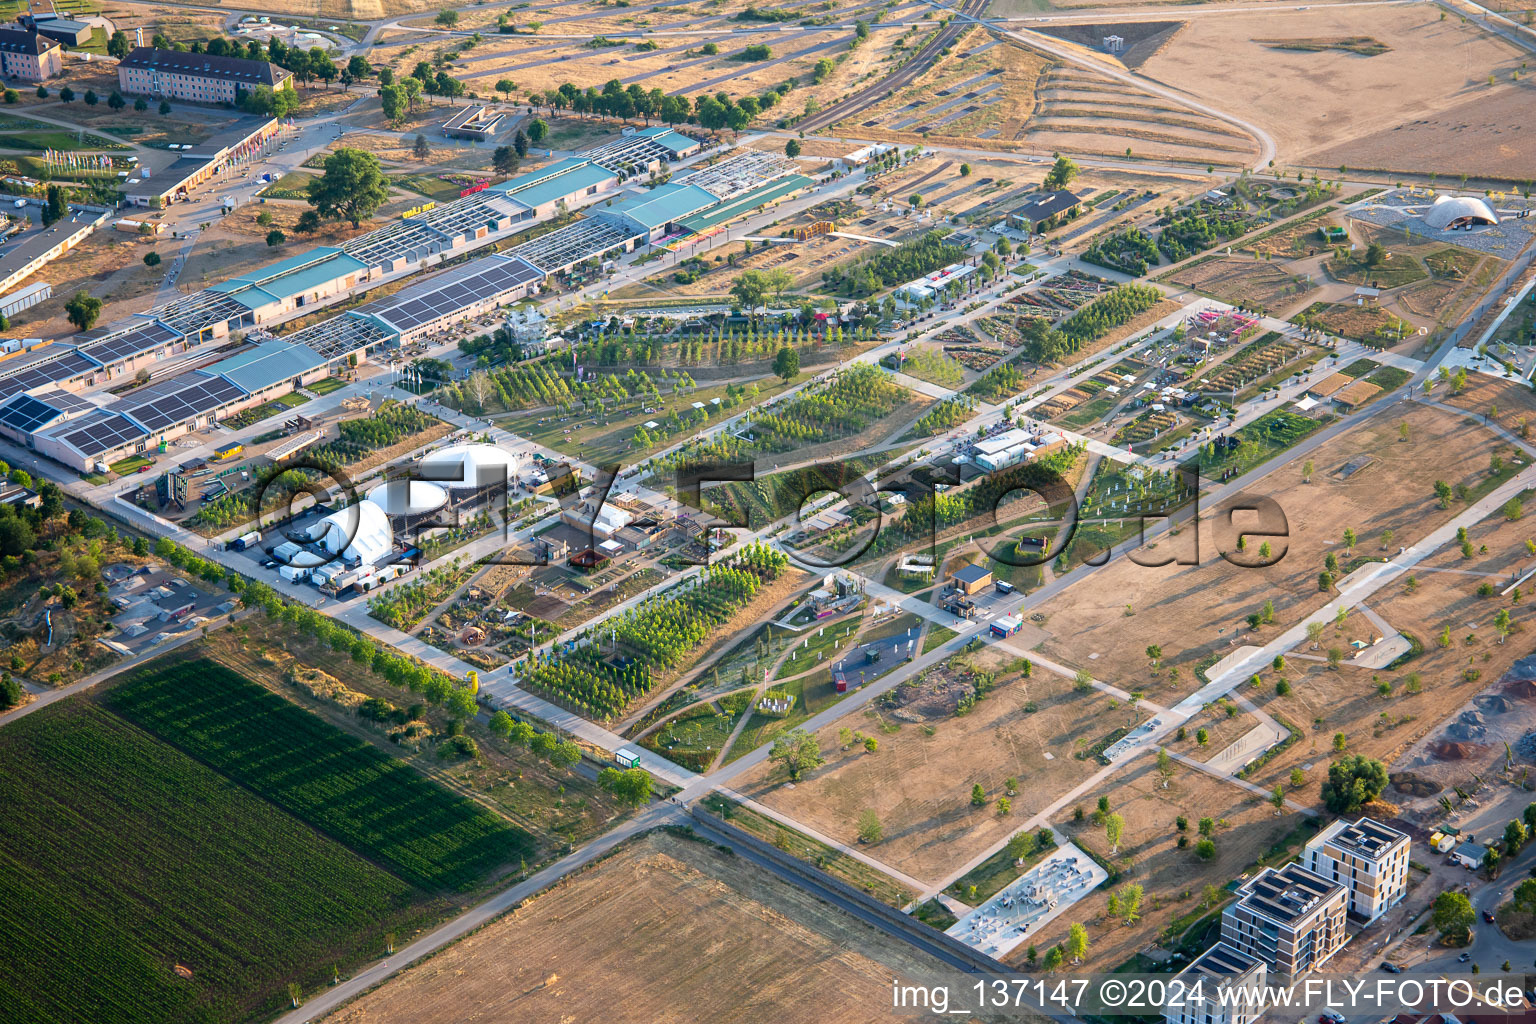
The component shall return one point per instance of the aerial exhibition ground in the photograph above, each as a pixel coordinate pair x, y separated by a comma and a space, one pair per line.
667, 511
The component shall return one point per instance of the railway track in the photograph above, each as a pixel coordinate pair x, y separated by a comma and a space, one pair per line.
901, 77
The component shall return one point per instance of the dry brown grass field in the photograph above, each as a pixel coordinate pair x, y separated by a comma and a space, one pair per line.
665, 929
1174, 879
543, 58
1313, 101
1324, 702
1507, 401
919, 781
1195, 612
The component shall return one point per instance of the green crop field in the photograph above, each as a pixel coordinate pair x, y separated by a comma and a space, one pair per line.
344, 787
122, 859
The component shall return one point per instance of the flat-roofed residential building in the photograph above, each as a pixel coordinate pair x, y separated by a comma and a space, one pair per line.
1369, 859
1230, 982
1289, 918
28, 55
195, 77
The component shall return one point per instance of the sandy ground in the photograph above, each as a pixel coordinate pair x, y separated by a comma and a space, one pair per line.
667, 929
1312, 101
1197, 611
929, 824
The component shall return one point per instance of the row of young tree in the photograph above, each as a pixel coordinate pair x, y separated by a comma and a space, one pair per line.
888, 267
852, 401
595, 683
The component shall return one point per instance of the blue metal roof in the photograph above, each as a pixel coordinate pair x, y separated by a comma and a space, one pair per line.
663, 204
579, 176
676, 141
291, 276
258, 367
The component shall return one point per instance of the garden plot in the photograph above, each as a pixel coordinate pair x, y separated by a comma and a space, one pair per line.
1252, 284
1312, 102
1370, 325
1254, 362
1300, 237
1030, 730
772, 951
1105, 623
1436, 281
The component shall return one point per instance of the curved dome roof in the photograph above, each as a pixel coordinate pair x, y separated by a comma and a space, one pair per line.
408, 497
360, 531
470, 465
1450, 209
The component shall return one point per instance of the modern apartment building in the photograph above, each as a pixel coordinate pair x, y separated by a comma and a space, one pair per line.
194, 77
29, 56
1289, 918
1369, 859
1223, 972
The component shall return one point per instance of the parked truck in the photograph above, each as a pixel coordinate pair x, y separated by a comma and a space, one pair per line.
248, 540
294, 573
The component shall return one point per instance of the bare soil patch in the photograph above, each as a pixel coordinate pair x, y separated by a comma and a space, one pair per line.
1249, 283
1311, 102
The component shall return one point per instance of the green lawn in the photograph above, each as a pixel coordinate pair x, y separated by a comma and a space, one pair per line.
433, 188
1263, 439
290, 186
59, 139
292, 400
693, 738
326, 385
131, 464
937, 637
822, 640
994, 874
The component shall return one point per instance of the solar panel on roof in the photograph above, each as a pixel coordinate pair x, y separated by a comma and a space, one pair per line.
94, 436
178, 399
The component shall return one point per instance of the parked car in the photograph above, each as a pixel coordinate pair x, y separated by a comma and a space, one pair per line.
1391, 968
1464, 958
1488, 916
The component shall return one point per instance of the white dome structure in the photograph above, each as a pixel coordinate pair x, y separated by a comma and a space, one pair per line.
1451, 212
360, 533
467, 468
408, 500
